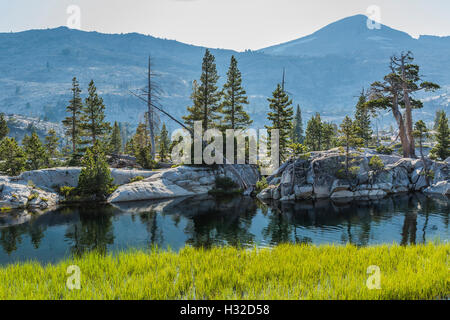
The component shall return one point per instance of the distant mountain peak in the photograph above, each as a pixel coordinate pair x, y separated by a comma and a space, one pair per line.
344, 36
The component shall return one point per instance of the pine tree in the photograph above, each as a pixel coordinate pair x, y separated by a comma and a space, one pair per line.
329, 131
362, 119
129, 147
442, 148
297, 127
72, 122
35, 152
140, 147
95, 179
205, 97
314, 131
234, 99
349, 137
281, 118
4, 129
116, 139
164, 143
436, 119
51, 147
141, 138
12, 156
93, 125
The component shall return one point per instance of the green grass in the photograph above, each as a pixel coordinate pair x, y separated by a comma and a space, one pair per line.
284, 272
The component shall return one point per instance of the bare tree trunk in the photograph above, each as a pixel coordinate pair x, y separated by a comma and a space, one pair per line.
409, 125
425, 166
150, 111
401, 129
74, 132
346, 159
408, 111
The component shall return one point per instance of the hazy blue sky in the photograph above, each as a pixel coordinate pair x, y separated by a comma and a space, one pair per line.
233, 24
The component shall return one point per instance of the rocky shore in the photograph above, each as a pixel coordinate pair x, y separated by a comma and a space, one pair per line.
321, 176
37, 190
317, 177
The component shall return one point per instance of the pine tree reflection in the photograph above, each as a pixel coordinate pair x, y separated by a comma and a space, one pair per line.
93, 230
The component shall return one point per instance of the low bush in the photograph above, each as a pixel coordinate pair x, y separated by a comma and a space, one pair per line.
384, 150
224, 186
351, 174
136, 179
376, 164
261, 184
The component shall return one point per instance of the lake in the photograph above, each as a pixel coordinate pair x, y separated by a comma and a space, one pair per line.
204, 221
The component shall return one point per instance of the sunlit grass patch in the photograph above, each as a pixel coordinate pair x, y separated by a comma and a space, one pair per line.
283, 272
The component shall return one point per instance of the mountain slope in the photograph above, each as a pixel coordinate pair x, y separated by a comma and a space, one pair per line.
351, 36
324, 71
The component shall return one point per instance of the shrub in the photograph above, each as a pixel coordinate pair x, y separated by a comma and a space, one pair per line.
225, 183
33, 196
95, 179
136, 179
261, 184
74, 160
224, 186
384, 150
144, 159
428, 173
376, 164
353, 171
66, 191
341, 174
12, 156
351, 174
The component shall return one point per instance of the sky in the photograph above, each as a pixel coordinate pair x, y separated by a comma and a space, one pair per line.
229, 24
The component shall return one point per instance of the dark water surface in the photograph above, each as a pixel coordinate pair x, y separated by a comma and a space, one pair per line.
406, 219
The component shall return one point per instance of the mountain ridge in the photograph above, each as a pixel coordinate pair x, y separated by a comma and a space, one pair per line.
37, 66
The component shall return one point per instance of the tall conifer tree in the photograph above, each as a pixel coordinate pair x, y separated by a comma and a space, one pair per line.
116, 139
297, 127
72, 122
4, 129
93, 124
314, 131
234, 99
205, 96
362, 119
280, 117
442, 148
35, 152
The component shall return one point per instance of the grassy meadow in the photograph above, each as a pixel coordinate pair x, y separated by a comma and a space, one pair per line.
283, 272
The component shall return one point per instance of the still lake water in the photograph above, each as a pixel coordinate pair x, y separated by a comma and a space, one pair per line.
203, 221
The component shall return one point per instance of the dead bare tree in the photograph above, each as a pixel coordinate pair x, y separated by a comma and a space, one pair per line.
152, 93
243, 183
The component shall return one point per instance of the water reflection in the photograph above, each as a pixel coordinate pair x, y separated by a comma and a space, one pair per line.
92, 230
204, 221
